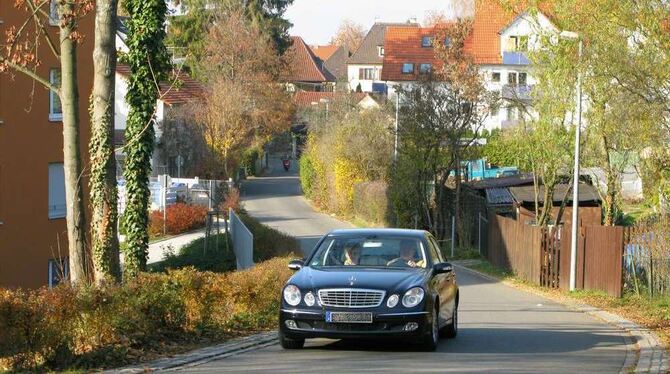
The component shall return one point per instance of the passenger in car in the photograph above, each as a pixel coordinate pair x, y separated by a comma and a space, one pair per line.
352, 254
407, 256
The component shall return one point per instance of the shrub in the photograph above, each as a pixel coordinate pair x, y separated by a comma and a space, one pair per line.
180, 218
86, 327
371, 203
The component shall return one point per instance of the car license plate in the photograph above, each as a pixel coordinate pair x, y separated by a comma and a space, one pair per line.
349, 317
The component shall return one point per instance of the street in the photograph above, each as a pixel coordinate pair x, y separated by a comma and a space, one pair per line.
501, 329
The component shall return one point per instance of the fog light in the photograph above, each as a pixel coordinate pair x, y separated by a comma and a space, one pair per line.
409, 326
290, 324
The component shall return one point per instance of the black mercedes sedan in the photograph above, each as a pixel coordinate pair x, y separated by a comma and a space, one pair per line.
371, 283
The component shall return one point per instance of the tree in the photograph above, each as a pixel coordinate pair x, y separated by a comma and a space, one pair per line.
189, 31
104, 239
618, 60
148, 61
20, 54
245, 105
349, 35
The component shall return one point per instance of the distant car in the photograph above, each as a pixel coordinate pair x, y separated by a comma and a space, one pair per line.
371, 283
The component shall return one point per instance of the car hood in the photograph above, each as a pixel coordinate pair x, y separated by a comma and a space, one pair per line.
372, 278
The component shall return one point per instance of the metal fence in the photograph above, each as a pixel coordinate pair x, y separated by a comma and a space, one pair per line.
243, 242
203, 192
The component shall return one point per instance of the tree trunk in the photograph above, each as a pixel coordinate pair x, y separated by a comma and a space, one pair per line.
80, 264
611, 179
104, 240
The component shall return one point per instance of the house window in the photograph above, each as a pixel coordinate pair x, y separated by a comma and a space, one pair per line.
517, 43
495, 77
53, 13
407, 68
425, 68
56, 191
447, 42
512, 113
367, 74
55, 107
426, 41
523, 79
495, 106
512, 78
59, 271
380, 50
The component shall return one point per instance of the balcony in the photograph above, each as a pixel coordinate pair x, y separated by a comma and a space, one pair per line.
515, 58
516, 92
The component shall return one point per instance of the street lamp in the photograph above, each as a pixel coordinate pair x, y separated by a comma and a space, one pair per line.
575, 186
397, 115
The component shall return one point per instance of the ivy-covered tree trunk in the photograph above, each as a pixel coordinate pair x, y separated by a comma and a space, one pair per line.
80, 261
148, 61
104, 240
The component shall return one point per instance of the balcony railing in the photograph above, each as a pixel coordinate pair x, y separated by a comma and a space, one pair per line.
515, 58
517, 92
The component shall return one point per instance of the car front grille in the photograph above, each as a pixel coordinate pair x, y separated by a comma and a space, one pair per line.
351, 297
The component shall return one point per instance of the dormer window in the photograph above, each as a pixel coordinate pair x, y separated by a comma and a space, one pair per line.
517, 43
426, 42
380, 50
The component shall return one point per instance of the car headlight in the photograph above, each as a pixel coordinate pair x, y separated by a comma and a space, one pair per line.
292, 295
413, 297
392, 301
309, 299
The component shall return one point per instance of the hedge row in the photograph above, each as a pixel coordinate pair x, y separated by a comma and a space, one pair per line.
82, 327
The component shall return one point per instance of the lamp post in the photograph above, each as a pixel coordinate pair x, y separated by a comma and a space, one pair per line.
397, 112
575, 186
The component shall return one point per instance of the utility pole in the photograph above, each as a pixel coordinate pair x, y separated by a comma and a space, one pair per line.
397, 115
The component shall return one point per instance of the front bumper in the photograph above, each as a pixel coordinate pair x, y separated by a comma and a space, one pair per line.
312, 324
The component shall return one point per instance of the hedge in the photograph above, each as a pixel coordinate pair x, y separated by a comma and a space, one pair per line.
371, 202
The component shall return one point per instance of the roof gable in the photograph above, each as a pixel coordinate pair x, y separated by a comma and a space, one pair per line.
304, 65
367, 53
179, 90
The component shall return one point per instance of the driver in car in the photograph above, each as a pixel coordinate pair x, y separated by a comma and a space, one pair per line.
352, 254
407, 256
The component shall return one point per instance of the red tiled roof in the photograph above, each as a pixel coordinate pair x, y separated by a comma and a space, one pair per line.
324, 51
179, 90
306, 98
303, 63
403, 44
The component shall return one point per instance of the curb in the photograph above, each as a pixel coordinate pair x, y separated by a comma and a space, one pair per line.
644, 352
202, 356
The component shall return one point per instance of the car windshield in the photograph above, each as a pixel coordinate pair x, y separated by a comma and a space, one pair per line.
392, 252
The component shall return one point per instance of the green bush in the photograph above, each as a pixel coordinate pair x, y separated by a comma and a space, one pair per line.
371, 202
85, 327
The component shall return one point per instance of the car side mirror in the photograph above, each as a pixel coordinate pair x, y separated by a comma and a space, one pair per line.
296, 264
443, 268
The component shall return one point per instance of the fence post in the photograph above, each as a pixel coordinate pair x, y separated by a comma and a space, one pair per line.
453, 234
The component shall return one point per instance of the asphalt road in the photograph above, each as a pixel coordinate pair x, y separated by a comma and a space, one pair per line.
502, 330
276, 200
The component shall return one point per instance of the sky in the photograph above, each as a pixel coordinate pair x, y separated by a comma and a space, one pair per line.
316, 21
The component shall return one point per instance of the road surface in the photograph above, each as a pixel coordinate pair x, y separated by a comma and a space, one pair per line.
502, 329
276, 200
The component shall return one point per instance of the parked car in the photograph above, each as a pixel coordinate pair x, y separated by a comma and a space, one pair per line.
371, 283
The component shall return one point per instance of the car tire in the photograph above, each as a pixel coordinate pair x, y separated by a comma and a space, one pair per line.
288, 343
451, 330
429, 343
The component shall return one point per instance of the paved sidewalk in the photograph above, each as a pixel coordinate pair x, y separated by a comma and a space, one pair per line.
645, 351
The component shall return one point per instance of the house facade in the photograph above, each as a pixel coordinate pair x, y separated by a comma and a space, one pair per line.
364, 67
33, 237
498, 43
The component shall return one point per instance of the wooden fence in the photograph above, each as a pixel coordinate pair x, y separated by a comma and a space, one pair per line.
542, 255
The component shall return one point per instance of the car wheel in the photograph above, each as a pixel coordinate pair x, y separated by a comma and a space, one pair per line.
431, 340
288, 343
451, 330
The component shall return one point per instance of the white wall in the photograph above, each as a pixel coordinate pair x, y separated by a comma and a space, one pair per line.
366, 85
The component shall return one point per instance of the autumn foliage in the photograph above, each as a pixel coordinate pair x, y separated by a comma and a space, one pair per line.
180, 218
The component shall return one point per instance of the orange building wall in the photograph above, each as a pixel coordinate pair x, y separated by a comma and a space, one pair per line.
28, 143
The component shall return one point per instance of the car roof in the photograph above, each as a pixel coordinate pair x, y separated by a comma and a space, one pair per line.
419, 234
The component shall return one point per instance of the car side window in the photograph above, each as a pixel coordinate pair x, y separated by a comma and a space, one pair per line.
435, 249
